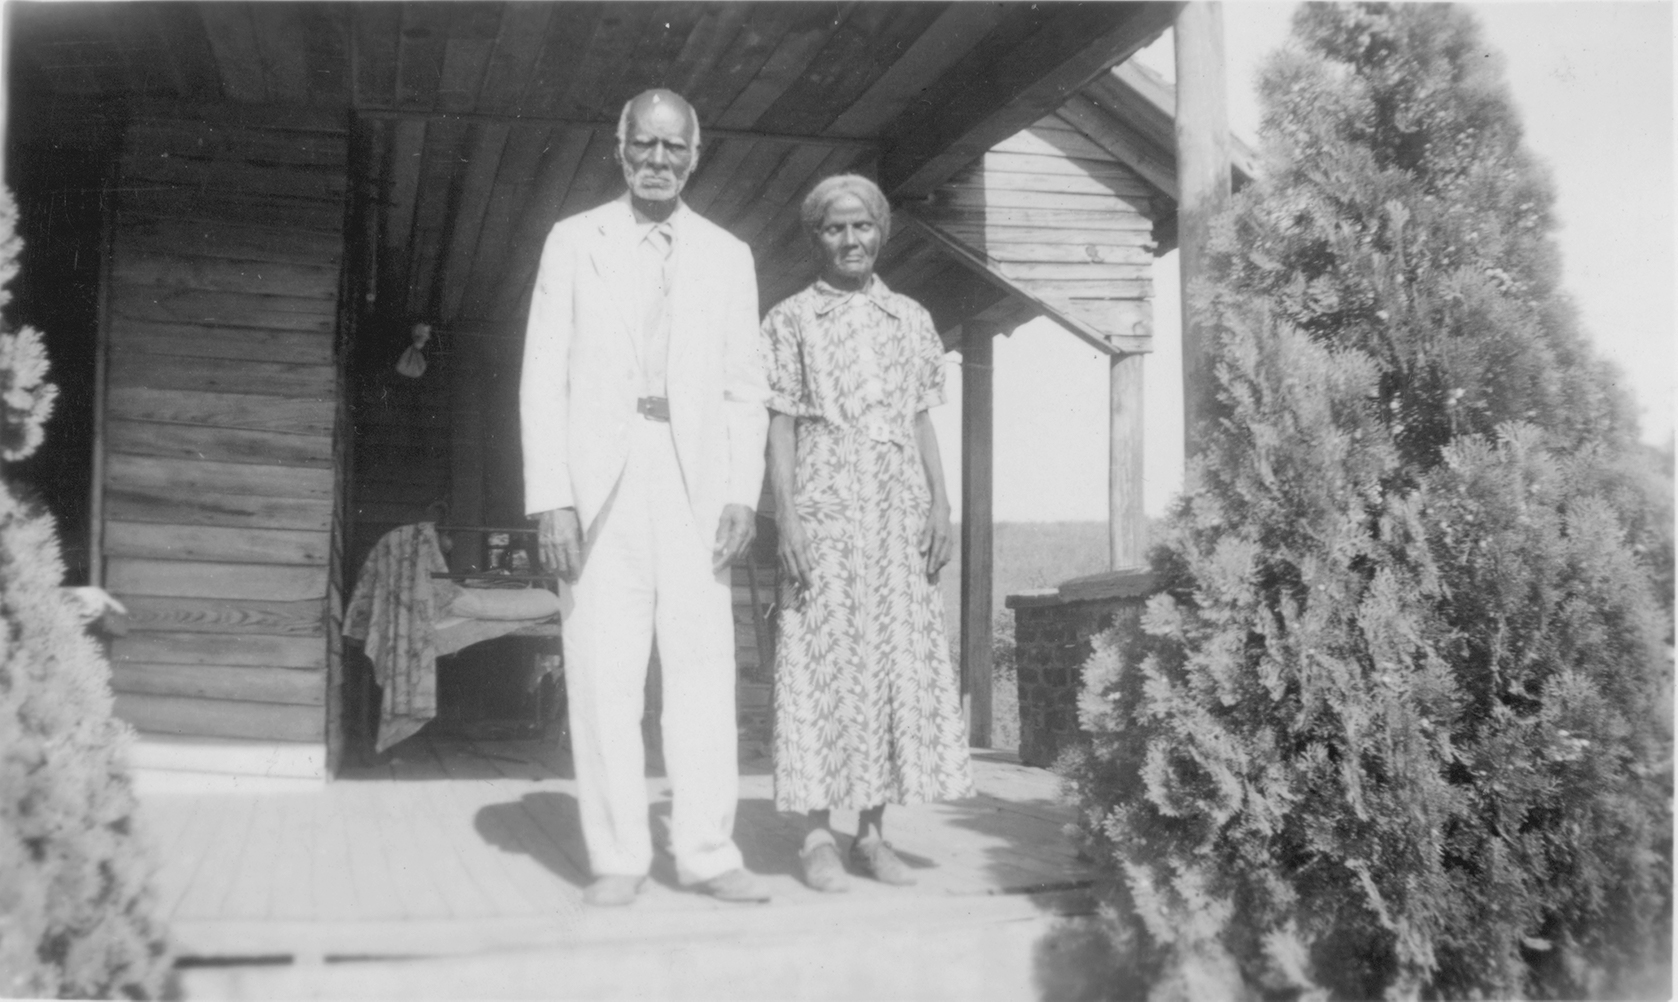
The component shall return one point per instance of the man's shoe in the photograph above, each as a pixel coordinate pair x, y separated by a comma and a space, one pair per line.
873, 858
613, 891
735, 885
823, 870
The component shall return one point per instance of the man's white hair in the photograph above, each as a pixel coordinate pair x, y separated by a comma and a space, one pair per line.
657, 94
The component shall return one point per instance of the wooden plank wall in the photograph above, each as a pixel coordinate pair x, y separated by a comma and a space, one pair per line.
1062, 219
221, 407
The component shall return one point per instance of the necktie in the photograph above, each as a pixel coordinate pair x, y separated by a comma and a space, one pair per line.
657, 254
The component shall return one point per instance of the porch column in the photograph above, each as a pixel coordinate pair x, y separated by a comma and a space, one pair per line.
1202, 189
1126, 535
976, 356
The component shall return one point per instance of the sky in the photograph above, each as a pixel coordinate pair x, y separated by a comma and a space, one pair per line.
1593, 82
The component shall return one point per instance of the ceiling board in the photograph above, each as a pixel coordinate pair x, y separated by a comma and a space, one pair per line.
570, 27
419, 57
232, 38
518, 43
472, 33
870, 38
796, 47
375, 35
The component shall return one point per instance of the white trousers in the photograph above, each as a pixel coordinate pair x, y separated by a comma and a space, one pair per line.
647, 570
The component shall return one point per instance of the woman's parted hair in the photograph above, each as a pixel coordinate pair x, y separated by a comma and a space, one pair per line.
867, 192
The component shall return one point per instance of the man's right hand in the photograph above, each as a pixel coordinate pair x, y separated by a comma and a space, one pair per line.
560, 539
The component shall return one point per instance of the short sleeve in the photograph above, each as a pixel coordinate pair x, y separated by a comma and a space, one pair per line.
929, 357
789, 392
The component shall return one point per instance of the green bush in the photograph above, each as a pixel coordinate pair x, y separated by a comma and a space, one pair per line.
1392, 727
76, 907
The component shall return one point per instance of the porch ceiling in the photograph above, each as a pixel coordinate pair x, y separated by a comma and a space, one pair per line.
476, 125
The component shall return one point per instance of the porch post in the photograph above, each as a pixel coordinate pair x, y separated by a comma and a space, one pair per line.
1126, 536
976, 356
1202, 189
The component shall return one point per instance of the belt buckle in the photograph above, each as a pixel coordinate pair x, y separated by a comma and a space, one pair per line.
654, 408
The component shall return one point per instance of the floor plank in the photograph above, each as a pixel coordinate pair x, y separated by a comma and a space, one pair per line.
453, 847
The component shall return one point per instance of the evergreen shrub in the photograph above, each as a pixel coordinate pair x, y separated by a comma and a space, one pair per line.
1393, 724
77, 911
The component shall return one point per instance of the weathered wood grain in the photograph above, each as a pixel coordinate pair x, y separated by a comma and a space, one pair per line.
245, 344
1072, 184
201, 579
862, 46
316, 184
959, 27
223, 410
157, 647
220, 274
180, 614
1108, 217
206, 141
199, 542
1043, 141
163, 235
419, 55
215, 309
1087, 205
165, 504
221, 375
795, 46
279, 38
518, 41
225, 718
1034, 273
228, 445
375, 33
289, 118
979, 230
189, 476
254, 207
233, 40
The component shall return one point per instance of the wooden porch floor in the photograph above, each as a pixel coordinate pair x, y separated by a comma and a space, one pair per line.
471, 852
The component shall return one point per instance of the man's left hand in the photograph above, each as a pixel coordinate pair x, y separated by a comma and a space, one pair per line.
734, 533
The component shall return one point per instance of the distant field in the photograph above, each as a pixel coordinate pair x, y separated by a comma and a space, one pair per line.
1031, 555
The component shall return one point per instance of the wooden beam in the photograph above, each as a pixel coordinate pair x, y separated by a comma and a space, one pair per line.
976, 477
1204, 185
595, 125
992, 272
1126, 526
1119, 139
997, 94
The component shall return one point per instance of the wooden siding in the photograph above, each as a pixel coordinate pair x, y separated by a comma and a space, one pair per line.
1061, 221
222, 403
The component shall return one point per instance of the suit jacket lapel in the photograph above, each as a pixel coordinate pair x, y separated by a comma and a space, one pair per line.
684, 282
614, 260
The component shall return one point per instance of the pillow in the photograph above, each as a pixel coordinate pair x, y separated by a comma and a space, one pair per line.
504, 603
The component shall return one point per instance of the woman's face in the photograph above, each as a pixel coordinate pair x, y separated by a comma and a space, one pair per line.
849, 240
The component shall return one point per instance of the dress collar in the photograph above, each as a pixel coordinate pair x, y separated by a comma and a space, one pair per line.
828, 297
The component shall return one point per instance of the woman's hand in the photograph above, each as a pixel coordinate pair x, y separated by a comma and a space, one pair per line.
935, 542
793, 548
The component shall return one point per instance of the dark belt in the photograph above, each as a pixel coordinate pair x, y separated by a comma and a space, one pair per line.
655, 408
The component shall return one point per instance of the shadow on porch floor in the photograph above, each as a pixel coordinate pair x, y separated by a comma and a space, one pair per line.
470, 851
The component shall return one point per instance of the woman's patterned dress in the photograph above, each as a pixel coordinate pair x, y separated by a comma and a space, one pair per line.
867, 709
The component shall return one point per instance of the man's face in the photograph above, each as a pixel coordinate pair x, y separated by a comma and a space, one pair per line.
849, 239
658, 154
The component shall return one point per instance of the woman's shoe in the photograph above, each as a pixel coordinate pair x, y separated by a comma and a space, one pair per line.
873, 858
823, 870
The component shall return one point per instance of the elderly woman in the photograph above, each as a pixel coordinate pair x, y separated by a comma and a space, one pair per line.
866, 706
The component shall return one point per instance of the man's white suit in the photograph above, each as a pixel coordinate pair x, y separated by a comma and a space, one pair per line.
649, 514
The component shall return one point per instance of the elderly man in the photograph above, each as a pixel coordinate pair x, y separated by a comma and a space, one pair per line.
643, 419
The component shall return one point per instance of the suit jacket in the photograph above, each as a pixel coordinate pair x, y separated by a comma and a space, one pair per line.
582, 373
